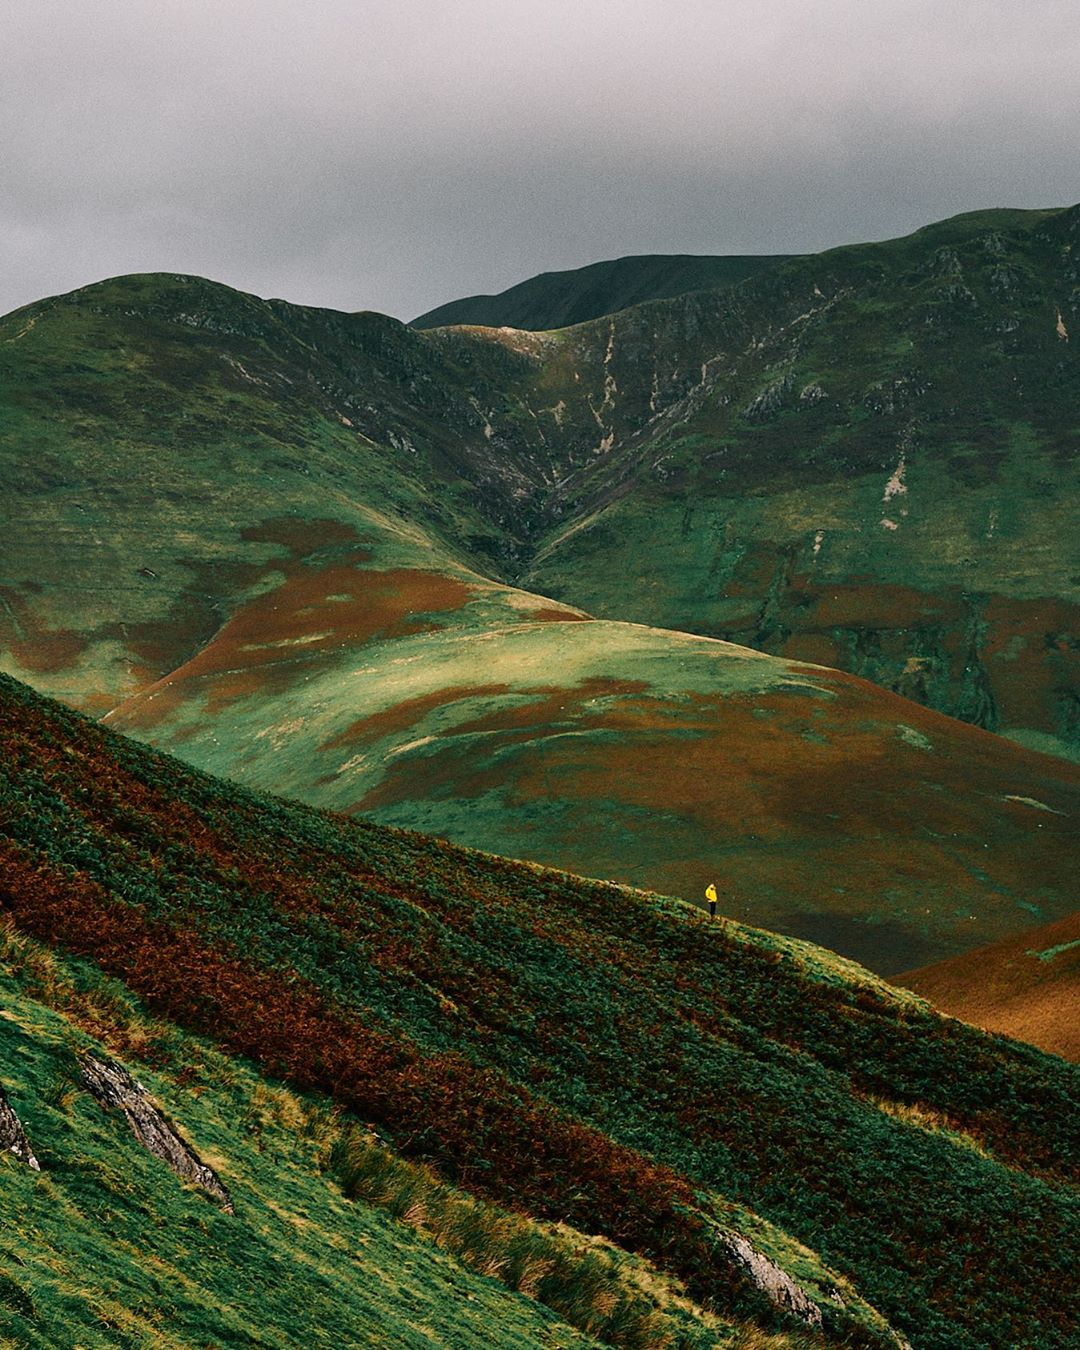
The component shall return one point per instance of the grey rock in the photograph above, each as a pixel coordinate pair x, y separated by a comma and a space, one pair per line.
783, 1292
12, 1135
776, 1284
770, 401
114, 1088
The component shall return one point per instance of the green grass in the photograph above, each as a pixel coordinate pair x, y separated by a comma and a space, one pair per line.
105, 1247
569, 1049
336, 1238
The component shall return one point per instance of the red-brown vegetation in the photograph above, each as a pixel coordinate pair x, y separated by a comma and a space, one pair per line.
1027, 986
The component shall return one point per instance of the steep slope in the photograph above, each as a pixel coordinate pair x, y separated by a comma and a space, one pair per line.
1027, 986
865, 458
293, 1265
147, 422
559, 299
414, 1262
578, 1050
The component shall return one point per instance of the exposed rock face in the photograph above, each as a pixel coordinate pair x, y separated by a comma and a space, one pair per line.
776, 1284
12, 1135
782, 1291
114, 1087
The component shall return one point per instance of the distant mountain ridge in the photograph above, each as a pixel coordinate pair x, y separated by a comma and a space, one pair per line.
560, 299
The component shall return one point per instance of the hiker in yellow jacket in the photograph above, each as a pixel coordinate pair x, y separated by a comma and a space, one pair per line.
711, 896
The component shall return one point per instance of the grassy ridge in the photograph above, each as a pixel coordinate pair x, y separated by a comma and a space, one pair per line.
583, 1051
558, 299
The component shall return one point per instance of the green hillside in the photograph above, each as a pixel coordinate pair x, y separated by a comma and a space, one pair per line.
822, 805
275, 540
864, 458
334, 1238
559, 299
104, 1247
604, 1057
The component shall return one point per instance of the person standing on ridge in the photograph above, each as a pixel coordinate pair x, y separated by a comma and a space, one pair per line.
710, 895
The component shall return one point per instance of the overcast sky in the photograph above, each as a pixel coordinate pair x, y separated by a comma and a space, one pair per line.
394, 154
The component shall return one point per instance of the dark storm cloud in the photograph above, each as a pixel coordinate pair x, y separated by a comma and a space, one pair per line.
392, 154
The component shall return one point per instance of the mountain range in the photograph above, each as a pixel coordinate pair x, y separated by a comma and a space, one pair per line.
488, 582
758, 572
561, 299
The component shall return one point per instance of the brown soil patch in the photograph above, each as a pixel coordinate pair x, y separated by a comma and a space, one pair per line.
327, 601
874, 605
198, 613
1032, 655
37, 648
298, 628
300, 536
402, 715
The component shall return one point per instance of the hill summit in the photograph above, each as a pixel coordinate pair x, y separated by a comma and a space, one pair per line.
560, 299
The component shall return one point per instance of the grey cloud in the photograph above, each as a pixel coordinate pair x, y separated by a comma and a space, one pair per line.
392, 154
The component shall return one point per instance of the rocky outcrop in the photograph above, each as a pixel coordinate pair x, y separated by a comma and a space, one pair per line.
775, 1283
115, 1089
787, 1295
12, 1135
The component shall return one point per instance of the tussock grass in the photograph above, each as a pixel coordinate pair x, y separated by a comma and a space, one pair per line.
924, 1117
604, 1294
620, 1300
588, 1288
